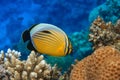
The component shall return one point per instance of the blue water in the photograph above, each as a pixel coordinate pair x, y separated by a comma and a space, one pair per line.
72, 16
18, 15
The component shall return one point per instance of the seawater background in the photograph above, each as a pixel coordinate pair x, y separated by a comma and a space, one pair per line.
18, 15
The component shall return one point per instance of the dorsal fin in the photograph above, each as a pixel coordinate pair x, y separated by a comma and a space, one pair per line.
30, 46
26, 35
32, 26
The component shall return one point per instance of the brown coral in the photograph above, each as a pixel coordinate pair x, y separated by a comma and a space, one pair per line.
104, 34
117, 27
103, 64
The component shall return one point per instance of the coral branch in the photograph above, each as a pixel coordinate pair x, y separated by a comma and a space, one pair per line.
34, 68
104, 34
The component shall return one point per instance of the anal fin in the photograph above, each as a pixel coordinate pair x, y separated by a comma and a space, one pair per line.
30, 46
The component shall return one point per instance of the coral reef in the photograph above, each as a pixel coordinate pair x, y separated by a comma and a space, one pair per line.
109, 11
103, 64
34, 68
104, 34
81, 48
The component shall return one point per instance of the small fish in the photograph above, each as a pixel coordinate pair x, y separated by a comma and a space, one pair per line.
47, 39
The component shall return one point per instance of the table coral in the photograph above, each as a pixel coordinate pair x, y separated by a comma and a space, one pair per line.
104, 34
103, 64
34, 68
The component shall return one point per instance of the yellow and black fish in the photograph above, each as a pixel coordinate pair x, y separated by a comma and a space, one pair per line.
47, 39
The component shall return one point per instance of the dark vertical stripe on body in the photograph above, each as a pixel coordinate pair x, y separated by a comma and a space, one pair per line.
66, 47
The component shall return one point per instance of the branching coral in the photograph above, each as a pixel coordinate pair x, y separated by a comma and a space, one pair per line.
103, 64
34, 68
4, 74
104, 34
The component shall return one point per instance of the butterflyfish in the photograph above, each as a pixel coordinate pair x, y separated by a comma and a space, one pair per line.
47, 39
